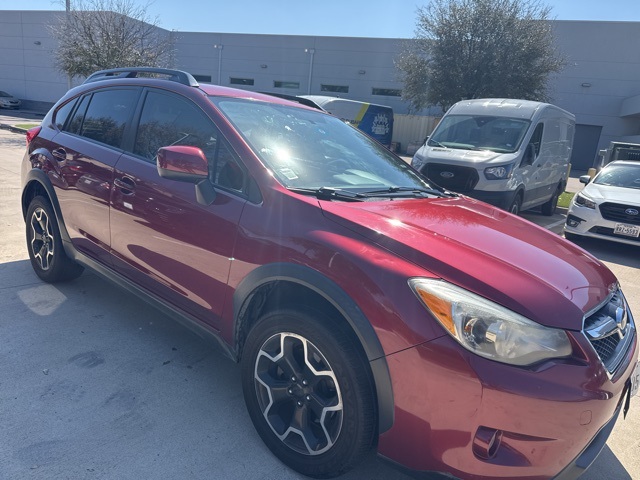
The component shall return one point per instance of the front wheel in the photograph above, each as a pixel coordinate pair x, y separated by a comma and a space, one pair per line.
47, 255
515, 205
309, 392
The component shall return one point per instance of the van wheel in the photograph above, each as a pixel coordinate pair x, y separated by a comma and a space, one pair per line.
515, 205
549, 208
309, 392
47, 255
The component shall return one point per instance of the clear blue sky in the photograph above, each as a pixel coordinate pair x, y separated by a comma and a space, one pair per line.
349, 18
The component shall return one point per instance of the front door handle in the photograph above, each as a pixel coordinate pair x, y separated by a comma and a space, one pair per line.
59, 154
126, 184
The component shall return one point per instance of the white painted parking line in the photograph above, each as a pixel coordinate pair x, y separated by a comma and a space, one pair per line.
554, 224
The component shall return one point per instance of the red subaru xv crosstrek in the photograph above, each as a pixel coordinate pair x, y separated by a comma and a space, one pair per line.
369, 308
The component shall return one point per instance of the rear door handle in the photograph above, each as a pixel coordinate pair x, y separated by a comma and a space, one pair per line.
59, 154
126, 184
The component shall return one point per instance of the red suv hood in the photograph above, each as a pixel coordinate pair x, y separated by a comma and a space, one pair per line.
488, 251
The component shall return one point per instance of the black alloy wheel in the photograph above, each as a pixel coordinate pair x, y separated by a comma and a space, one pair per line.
309, 392
47, 255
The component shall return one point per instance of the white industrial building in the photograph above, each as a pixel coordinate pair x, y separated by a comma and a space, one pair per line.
600, 83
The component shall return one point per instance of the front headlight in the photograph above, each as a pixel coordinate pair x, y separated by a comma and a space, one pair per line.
488, 329
417, 162
498, 173
584, 201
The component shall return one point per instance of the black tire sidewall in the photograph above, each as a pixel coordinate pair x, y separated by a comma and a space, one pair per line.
354, 380
62, 268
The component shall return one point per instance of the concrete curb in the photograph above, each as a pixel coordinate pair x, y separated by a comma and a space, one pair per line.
13, 129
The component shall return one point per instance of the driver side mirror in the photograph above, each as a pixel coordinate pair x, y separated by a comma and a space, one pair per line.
187, 164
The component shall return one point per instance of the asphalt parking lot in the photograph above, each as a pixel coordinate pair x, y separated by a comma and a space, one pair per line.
96, 384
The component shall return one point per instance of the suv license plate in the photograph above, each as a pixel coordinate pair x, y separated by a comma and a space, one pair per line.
627, 230
635, 380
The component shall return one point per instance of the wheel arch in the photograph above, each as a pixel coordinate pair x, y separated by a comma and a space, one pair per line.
264, 288
37, 183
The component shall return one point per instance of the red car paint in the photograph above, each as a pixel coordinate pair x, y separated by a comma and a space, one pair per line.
198, 258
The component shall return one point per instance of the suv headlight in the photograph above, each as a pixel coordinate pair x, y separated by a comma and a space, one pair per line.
584, 201
488, 329
498, 173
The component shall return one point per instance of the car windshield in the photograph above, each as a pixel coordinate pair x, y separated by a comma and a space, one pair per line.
625, 176
4, 94
470, 132
307, 149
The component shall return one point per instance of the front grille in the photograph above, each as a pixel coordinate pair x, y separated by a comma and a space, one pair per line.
611, 331
616, 213
606, 347
452, 177
609, 233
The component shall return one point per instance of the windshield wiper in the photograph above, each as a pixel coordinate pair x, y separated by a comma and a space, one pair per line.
409, 191
328, 193
436, 143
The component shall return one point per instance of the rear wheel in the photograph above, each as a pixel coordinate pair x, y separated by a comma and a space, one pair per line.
309, 392
47, 255
549, 208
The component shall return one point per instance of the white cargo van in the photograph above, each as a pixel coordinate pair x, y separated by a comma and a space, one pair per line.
511, 153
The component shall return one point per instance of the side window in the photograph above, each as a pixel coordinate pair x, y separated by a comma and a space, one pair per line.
226, 171
536, 138
62, 114
170, 120
75, 124
108, 113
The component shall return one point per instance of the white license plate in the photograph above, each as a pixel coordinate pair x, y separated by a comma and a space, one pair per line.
635, 380
627, 230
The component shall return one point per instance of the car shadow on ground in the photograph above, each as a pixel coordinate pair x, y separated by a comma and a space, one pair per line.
96, 380
613, 252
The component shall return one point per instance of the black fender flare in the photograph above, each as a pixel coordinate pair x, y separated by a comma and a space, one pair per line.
341, 301
36, 175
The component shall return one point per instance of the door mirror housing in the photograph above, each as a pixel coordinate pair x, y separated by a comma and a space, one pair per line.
585, 179
182, 163
187, 164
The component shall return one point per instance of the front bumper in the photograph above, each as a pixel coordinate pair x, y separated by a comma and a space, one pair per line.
502, 200
591, 224
551, 420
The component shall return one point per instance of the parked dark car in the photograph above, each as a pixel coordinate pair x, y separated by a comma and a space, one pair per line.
368, 308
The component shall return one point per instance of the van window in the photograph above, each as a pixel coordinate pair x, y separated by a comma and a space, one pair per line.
536, 138
480, 132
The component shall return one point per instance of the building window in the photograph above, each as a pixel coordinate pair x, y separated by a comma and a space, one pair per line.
335, 88
387, 92
241, 81
203, 78
281, 84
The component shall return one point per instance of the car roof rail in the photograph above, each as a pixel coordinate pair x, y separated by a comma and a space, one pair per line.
134, 72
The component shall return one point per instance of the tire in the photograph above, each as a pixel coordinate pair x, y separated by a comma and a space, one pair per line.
44, 243
515, 205
316, 413
549, 208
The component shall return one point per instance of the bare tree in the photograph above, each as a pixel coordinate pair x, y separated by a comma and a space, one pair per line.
100, 34
479, 48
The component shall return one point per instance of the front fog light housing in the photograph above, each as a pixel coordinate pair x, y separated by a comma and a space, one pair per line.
488, 329
573, 221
